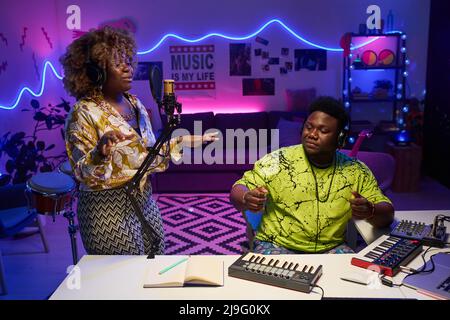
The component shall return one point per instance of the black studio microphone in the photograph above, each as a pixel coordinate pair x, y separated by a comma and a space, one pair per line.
168, 102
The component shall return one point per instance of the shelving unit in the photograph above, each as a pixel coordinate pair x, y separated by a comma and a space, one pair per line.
372, 53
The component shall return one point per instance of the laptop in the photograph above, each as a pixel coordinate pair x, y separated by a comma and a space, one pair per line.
435, 284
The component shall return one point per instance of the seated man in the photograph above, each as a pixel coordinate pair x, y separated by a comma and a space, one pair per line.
310, 191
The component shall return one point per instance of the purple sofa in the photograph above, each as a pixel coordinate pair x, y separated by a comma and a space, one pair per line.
216, 177
381, 164
219, 178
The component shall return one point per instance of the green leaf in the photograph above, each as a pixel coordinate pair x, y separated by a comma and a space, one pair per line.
16, 137
40, 116
49, 123
40, 145
35, 104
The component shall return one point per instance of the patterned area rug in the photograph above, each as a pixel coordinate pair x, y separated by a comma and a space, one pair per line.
201, 224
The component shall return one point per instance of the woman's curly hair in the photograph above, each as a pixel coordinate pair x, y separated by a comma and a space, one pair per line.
101, 43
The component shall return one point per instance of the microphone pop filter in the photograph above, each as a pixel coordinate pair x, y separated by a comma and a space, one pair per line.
155, 79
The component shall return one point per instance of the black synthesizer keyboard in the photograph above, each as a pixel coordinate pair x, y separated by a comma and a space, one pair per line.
273, 271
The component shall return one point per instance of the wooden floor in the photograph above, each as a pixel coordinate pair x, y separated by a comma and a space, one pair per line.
33, 274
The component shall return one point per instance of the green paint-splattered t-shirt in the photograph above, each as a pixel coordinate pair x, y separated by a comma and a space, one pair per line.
293, 218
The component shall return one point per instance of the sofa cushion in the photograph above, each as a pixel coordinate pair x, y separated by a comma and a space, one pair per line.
244, 121
289, 132
275, 116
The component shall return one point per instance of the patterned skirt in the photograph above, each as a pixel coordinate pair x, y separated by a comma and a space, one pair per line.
109, 226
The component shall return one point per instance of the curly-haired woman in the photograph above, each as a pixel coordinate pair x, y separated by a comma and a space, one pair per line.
107, 135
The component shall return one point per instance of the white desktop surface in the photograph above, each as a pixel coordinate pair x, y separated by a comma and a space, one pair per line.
121, 277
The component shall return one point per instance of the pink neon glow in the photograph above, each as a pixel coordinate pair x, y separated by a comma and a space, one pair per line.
193, 107
376, 46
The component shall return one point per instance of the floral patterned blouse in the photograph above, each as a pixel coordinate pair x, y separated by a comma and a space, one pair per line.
89, 119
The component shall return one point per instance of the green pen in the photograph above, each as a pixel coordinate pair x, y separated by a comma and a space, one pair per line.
173, 265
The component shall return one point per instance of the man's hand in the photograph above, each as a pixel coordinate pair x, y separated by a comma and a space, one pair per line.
361, 207
110, 139
255, 199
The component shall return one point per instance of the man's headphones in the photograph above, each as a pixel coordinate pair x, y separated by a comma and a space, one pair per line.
342, 136
95, 73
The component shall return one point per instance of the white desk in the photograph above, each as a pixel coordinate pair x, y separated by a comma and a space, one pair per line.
121, 277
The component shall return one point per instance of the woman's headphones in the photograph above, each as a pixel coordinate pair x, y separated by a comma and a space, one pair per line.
95, 73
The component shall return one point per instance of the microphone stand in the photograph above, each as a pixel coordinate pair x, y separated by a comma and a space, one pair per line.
132, 186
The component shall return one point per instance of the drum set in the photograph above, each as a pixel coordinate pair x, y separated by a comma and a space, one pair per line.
53, 193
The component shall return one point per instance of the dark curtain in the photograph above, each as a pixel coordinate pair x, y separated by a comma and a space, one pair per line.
437, 103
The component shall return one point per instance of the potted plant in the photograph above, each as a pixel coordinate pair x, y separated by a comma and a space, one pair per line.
27, 153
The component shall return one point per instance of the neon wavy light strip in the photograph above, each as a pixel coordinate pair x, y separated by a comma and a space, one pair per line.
289, 30
47, 65
171, 35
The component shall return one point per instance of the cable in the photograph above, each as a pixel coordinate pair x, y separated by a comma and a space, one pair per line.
391, 283
421, 270
323, 291
388, 282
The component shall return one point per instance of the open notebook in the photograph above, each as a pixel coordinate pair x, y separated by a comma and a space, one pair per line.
179, 271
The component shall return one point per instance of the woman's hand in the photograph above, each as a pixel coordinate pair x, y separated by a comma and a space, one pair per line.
210, 137
110, 139
195, 141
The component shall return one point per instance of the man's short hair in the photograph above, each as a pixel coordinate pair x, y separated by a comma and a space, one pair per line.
332, 107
